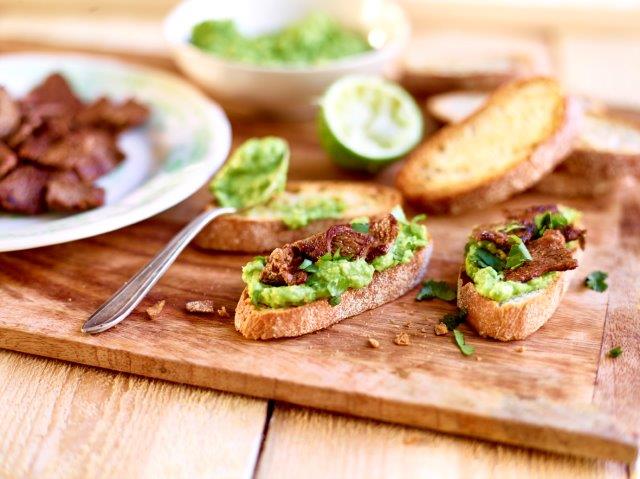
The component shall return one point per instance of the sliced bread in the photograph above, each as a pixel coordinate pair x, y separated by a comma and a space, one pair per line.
436, 73
517, 318
264, 323
455, 106
261, 229
520, 134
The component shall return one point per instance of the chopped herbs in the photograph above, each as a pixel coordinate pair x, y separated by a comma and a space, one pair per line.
308, 266
488, 259
360, 227
597, 281
615, 352
513, 226
334, 300
465, 348
518, 254
436, 289
549, 221
453, 320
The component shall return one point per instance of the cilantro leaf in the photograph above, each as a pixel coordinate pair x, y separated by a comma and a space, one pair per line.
518, 254
549, 221
513, 226
360, 227
453, 320
308, 266
615, 352
597, 281
465, 348
488, 259
436, 289
334, 300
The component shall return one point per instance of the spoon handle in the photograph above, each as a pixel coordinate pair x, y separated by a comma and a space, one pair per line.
120, 305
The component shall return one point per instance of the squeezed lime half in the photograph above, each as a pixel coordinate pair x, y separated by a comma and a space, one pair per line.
367, 122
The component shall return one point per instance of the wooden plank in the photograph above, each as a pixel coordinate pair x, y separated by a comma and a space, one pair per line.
62, 421
311, 444
618, 379
541, 398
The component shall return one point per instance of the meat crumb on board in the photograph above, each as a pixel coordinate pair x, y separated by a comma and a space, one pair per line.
374, 343
154, 311
402, 339
441, 329
203, 306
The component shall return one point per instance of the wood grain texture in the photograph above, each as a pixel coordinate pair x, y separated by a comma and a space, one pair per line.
62, 421
316, 445
541, 398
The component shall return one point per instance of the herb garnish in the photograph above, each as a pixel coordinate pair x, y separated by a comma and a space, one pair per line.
436, 289
615, 352
334, 300
513, 226
597, 281
308, 266
549, 221
360, 227
465, 348
453, 320
518, 254
487, 259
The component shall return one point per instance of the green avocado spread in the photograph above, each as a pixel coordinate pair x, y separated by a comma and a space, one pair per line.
489, 279
332, 274
297, 211
256, 172
313, 40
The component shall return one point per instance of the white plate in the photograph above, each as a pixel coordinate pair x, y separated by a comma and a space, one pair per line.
185, 141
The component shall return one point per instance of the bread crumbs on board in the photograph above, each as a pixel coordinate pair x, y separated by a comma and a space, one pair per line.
402, 339
204, 306
223, 313
520, 349
154, 311
440, 329
374, 343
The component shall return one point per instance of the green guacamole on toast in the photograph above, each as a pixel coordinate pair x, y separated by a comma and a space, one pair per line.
332, 274
486, 263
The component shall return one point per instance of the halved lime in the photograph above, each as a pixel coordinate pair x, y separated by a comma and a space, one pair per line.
366, 122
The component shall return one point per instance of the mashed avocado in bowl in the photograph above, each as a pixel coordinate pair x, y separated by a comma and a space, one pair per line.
315, 39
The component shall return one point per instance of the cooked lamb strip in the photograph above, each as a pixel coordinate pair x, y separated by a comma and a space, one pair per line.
9, 114
103, 113
54, 90
8, 159
548, 253
22, 190
66, 193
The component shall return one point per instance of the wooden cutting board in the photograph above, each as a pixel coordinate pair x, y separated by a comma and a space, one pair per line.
555, 391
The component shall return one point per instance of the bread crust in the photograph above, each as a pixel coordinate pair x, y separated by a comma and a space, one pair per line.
433, 82
543, 159
256, 235
516, 319
386, 286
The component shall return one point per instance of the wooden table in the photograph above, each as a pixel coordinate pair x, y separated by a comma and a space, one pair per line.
63, 420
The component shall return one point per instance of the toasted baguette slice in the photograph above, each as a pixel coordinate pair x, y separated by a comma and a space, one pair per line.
522, 132
516, 318
265, 323
263, 231
570, 185
437, 73
606, 148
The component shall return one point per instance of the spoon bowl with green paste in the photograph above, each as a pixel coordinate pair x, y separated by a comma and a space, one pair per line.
278, 56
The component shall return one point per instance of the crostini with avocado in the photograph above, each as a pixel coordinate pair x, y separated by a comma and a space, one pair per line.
516, 272
315, 282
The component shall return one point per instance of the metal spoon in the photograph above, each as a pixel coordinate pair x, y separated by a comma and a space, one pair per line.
120, 305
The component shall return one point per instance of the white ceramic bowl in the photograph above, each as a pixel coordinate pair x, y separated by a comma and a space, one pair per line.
284, 91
